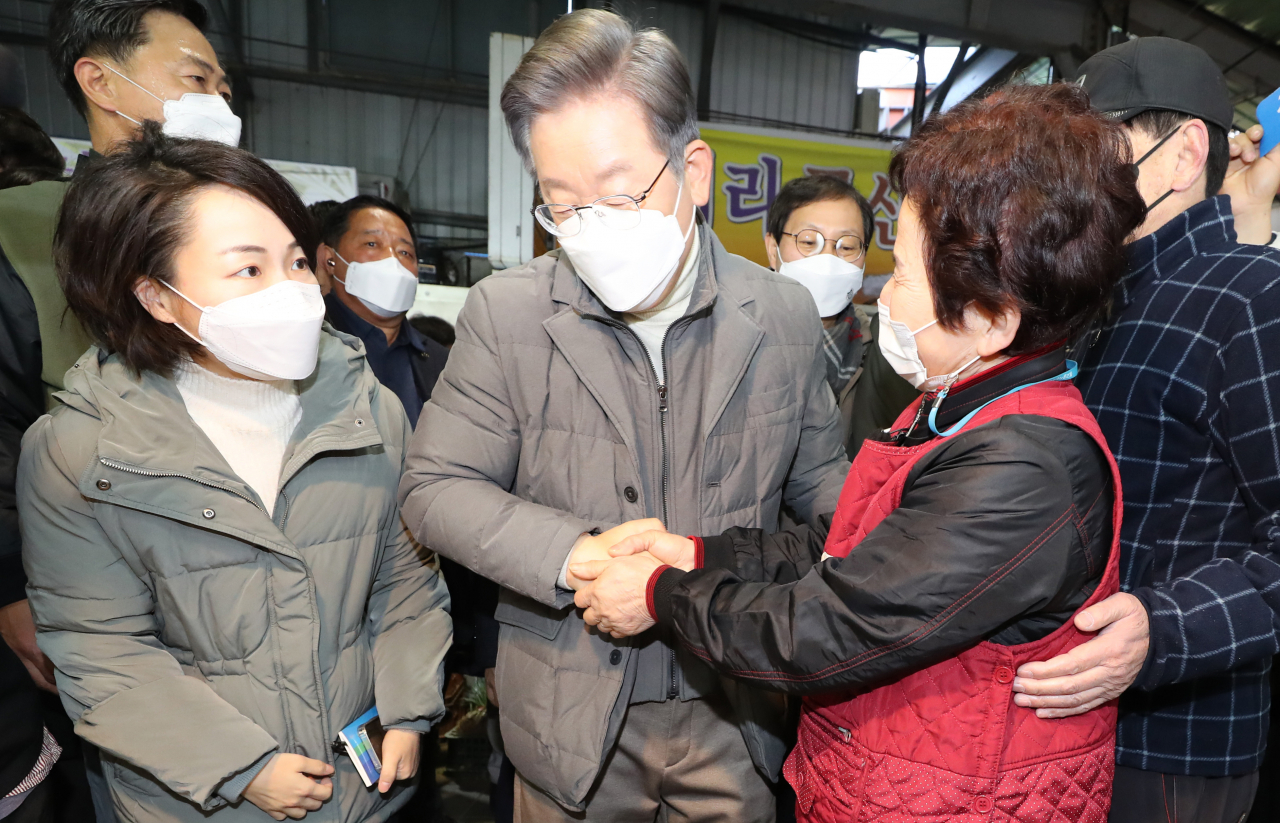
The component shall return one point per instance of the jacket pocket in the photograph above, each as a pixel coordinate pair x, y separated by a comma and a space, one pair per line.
768, 402
530, 615
828, 767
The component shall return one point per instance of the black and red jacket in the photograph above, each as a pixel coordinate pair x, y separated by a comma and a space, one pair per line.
1008, 478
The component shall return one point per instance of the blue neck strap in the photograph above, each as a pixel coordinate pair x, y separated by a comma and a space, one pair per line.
1073, 369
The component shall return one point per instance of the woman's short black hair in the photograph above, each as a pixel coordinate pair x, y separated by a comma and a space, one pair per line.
104, 28
124, 218
27, 155
815, 188
336, 220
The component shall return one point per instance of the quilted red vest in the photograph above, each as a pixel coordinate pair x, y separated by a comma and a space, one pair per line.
947, 743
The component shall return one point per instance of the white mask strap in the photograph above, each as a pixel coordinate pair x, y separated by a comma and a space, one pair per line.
885, 310
955, 375
344, 262
189, 300
925, 326
126, 78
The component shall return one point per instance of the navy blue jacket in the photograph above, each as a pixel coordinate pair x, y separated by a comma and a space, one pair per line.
1184, 379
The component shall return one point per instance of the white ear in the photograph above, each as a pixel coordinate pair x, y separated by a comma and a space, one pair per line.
997, 332
154, 299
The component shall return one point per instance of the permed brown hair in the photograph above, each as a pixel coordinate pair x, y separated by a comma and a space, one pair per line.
1025, 200
124, 218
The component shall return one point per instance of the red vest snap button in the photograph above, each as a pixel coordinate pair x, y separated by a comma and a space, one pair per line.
1004, 675
982, 805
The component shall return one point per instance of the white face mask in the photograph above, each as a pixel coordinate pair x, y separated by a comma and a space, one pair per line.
272, 334
899, 349
385, 287
629, 269
832, 282
199, 116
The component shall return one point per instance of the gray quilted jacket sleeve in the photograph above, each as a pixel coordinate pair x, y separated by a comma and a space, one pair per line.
462, 462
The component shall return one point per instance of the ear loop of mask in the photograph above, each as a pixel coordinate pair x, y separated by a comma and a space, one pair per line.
334, 274
1150, 152
193, 303
144, 91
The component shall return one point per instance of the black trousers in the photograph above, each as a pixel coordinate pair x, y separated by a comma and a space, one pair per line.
39, 807
1153, 797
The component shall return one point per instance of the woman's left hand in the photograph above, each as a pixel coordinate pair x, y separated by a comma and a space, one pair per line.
400, 750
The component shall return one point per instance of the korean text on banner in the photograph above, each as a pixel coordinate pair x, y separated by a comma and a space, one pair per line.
751, 165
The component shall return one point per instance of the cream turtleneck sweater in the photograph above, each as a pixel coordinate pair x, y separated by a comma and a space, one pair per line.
651, 326
250, 422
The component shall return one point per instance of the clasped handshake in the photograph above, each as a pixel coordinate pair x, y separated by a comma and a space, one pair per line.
610, 573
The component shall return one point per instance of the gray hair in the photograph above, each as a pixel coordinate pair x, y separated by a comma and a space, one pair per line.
590, 52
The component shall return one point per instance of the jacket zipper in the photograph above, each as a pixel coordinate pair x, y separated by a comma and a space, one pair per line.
673, 688
673, 685
124, 467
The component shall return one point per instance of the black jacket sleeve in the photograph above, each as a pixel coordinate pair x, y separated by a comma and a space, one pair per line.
21, 402
987, 537
780, 557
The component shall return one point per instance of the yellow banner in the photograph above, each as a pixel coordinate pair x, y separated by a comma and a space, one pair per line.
751, 166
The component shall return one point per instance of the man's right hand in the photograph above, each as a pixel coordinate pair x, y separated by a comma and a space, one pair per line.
290, 785
18, 629
592, 547
1251, 181
671, 549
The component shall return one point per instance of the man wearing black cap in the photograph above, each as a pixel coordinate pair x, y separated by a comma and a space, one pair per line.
1184, 378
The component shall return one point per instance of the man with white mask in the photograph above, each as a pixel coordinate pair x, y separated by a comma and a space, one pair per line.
818, 227
123, 63
120, 63
367, 249
639, 371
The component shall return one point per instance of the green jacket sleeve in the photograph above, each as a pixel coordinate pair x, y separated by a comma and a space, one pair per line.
96, 620
410, 624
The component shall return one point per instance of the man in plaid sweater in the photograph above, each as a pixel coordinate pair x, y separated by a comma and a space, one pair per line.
1184, 378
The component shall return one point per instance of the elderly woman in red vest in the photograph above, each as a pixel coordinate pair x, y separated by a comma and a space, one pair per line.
969, 534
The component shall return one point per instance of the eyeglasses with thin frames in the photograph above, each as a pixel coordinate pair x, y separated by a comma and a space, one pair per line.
810, 242
618, 211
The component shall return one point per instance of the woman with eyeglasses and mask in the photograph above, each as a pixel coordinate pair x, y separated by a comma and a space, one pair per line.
969, 535
217, 565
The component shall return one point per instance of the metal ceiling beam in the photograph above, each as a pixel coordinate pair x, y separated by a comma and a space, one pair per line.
1042, 27
22, 38
432, 217
855, 38
1250, 62
922, 83
441, 91
987, 68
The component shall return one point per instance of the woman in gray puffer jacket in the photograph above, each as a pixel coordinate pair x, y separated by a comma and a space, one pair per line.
216, 561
